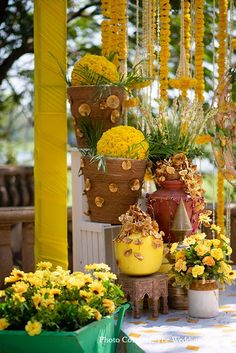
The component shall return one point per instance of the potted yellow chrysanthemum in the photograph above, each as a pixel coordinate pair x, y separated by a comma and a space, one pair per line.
53, 310
114, 173
97, 93
200, 264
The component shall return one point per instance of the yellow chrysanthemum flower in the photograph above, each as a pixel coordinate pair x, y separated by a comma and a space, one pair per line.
97, 288
85, 295
123, 142
97, 64
109, 305
197, 270
20, 287
3, 323
33, 328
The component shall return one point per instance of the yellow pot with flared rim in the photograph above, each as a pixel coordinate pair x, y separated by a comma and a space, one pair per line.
139, 259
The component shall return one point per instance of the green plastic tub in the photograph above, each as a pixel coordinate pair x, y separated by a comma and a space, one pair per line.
97, 337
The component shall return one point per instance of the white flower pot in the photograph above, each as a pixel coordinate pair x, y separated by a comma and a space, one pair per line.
203, 300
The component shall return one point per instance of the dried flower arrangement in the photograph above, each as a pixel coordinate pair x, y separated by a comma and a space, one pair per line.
181, 168
137, 221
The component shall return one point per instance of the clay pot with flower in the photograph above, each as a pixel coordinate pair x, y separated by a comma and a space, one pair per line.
200, 264
98, 94
113, 176
139, 245
53, 310
177, 179
94, 98
175, 138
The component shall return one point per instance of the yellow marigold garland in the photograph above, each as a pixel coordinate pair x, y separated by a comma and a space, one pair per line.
199, 49
222, 37
164, 10
114, 30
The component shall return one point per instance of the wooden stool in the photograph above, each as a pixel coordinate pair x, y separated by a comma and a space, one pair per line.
155, 286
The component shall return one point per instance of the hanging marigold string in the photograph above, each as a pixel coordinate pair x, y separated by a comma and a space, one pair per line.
164, 17
114, 29
183, 80
222, 38
199, 50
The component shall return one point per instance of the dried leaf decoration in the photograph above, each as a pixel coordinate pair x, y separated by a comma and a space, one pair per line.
138, 256
170, 170
157, 243
87, 184
127, 240
79, 133
135, 185
113, 102
113, 187
126, 165
84, 109
138, 242
115, 116
128, 252
99, 201
103, 105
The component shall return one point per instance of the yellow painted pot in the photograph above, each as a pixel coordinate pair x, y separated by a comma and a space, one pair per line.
139, 259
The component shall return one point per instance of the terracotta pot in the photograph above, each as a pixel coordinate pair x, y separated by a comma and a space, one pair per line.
130, 264
102, 104
203, 299
110, 193
162, 205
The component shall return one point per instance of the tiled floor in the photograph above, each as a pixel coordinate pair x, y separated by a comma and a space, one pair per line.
178, 333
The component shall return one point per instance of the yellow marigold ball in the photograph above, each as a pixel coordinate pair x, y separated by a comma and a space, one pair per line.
98, 64
123, 142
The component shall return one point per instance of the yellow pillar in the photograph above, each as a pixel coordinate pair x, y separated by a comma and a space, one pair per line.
50, 132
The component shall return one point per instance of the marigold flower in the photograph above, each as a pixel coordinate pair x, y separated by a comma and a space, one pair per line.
203, 139
33, 328
123, 142
97, 64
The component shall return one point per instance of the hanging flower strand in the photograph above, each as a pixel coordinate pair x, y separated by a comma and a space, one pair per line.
183, 80
164, 10
222, 37
199, 49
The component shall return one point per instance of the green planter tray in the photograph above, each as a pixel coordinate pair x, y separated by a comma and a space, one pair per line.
97, 337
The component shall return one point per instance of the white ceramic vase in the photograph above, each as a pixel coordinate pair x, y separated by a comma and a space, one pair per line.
203, 299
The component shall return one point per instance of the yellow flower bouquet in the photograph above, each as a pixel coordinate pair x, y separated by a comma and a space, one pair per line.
55, 300
202, 259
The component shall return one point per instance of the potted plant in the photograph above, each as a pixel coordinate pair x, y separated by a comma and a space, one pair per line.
175, 139
53, 310
113, 172
98, 93
139, 245
200, 265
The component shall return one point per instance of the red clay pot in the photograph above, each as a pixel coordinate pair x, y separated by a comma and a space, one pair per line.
162, 205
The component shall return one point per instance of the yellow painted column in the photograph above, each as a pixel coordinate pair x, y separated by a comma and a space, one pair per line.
50, 172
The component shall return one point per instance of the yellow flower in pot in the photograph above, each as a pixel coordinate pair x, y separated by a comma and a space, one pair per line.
139, 245
114, 173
